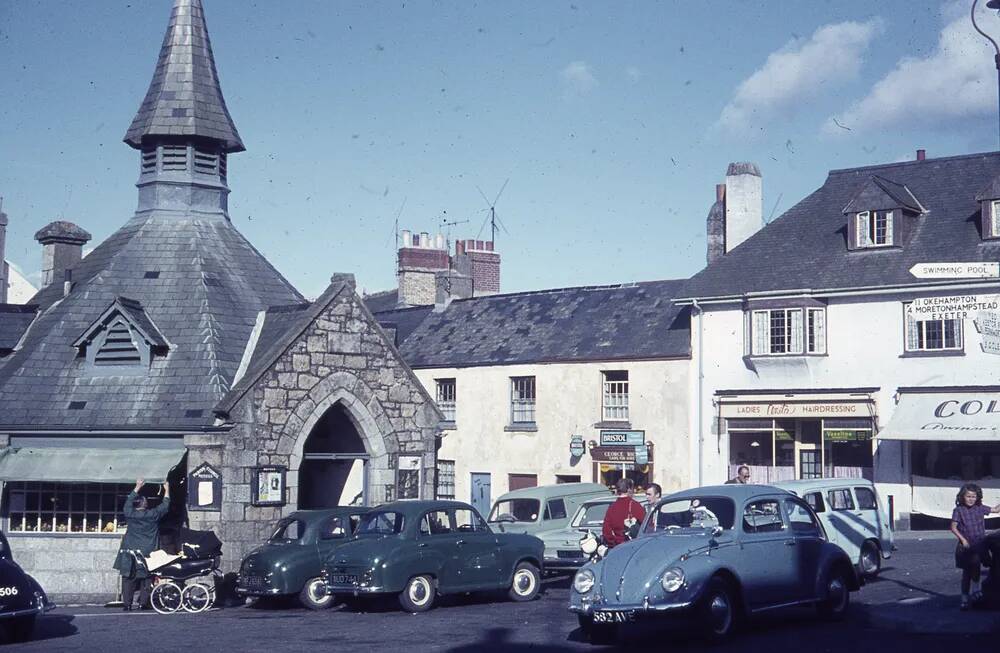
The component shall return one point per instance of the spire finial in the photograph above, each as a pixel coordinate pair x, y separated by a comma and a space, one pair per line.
184, 96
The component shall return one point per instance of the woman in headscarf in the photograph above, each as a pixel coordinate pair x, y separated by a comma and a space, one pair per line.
141, 539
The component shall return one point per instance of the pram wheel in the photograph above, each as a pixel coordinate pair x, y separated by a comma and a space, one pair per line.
166, 597
197, 597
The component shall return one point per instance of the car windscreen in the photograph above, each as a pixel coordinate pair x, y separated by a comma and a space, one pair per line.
381, 523
288, 530
523, 510
590, 515
678, 515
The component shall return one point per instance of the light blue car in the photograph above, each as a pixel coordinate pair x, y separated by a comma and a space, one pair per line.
712, 555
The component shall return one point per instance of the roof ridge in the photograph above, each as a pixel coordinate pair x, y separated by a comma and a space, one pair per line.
878, 166
547, 291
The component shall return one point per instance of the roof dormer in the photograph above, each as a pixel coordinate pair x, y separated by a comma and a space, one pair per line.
989, 214
123, 340
879, 214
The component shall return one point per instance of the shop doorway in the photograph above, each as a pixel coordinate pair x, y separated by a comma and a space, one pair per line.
609, 473
334, 469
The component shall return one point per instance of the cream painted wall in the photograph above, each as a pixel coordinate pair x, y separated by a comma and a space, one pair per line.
865, 343
568, 402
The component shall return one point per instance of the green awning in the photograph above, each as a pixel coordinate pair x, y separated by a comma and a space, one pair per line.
87, 465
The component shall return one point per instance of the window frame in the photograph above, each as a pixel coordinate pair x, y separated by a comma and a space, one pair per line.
446, 397
994, 224
448, 472
118, 493
866, 229
805, 331
615, 405
921, 331
522, 406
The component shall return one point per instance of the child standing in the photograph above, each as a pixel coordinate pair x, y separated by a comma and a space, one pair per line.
968, 523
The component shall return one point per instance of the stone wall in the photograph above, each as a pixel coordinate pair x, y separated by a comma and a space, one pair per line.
342, 357
71, 567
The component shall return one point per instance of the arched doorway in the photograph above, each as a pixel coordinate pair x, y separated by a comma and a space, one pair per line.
334, 468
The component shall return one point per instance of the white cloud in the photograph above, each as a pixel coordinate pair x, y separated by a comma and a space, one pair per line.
633, 74
799, 70
578, 77
957, 80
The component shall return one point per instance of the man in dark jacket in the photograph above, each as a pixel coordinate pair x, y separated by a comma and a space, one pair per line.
623, 514
141, 539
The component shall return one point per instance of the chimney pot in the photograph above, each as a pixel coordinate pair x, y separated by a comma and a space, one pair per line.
479, 245
425, 239
489, 245
67, 282
407, 238
459, 247
921, 155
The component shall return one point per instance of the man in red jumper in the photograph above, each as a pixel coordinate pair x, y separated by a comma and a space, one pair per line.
621, 514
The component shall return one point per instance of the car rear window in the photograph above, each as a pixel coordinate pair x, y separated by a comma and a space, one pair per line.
866, 498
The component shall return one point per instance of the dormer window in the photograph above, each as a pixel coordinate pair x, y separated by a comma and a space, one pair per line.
873, 229
122, 341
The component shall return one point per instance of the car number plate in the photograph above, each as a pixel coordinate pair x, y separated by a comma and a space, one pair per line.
614, 616
344, 579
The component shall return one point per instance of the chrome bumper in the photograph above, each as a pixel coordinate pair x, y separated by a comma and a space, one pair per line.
641, 608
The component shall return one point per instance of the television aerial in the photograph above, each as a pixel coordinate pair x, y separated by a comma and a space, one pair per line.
492, 218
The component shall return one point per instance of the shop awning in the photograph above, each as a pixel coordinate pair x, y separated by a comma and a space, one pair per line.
87, 465
945, 416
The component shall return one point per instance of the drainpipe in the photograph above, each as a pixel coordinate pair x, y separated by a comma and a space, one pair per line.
700, 392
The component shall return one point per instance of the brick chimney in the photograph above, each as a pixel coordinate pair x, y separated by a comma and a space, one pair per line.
4, 268
62, 248
479, 260
419, 259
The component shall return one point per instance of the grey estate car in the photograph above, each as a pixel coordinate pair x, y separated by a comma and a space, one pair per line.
712, 555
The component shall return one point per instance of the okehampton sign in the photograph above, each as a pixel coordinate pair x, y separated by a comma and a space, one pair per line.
975, 270
797, 409
954, 307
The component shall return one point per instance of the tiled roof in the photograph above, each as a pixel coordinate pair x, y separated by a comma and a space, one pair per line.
184, 96
202, 285
806, 248
379, 302
632, 321
14, 320
134, 313
404, 320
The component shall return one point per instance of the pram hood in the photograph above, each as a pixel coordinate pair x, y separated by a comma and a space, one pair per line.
199, 544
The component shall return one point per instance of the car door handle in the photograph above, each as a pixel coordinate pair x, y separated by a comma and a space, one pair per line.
789, 542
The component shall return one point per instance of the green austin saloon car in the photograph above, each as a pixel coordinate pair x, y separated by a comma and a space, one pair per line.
289, 563
420, 549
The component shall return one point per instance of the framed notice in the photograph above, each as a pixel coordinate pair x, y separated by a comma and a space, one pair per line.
269, 486
204, 489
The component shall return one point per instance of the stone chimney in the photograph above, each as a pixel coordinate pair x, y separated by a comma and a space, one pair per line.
4, 268
479, 260
744, 203
62, 248
716, 227
419, 259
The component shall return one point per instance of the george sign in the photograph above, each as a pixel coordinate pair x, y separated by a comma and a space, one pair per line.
974, 270
798, 409
954, 307
576, 446
618, 454
205, 489
269, 486
623, 438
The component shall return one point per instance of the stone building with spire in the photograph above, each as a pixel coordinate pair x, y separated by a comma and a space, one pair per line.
176, 352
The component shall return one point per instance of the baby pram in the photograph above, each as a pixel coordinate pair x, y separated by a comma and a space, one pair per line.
187, 581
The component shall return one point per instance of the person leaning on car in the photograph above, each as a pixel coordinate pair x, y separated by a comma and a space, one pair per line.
622, 515
141, 539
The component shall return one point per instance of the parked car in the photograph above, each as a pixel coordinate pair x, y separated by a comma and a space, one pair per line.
420, 549
853, 516
542, 508
291, 560
22, 599
711, 555
563, 549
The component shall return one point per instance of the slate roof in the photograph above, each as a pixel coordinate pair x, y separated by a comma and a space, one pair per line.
184, 96
385, 300
134, 313
404, 320
806, 248
210, 286
880, 194
632, 321
14, 320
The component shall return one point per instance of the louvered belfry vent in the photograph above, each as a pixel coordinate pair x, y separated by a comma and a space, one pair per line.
118, 347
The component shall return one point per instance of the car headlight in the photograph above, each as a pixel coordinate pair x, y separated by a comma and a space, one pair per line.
672, 580
583, 582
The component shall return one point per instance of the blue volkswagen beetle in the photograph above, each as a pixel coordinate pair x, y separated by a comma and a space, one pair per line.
716, 554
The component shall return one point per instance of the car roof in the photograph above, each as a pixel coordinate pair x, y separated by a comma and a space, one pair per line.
806, 485
735, 491
413, 506
311, 515
555, 490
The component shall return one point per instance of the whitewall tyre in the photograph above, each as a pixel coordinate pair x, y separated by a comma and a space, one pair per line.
314, 595
418, 595
526, 584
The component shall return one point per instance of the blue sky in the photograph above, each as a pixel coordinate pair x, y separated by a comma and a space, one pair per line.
613, 121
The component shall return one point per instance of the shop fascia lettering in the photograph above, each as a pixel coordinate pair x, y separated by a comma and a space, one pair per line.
951, 407
827, 409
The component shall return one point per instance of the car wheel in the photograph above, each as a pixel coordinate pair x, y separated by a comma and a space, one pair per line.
418, 595
717, 611
20, 629
526, 583
597, 633
871, 560
314, 595
837, 596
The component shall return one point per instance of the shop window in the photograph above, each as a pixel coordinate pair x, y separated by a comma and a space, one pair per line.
931, 335
66, 507
446, 394
956, 461
616, 396
787, 331
522, 400
446, 479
